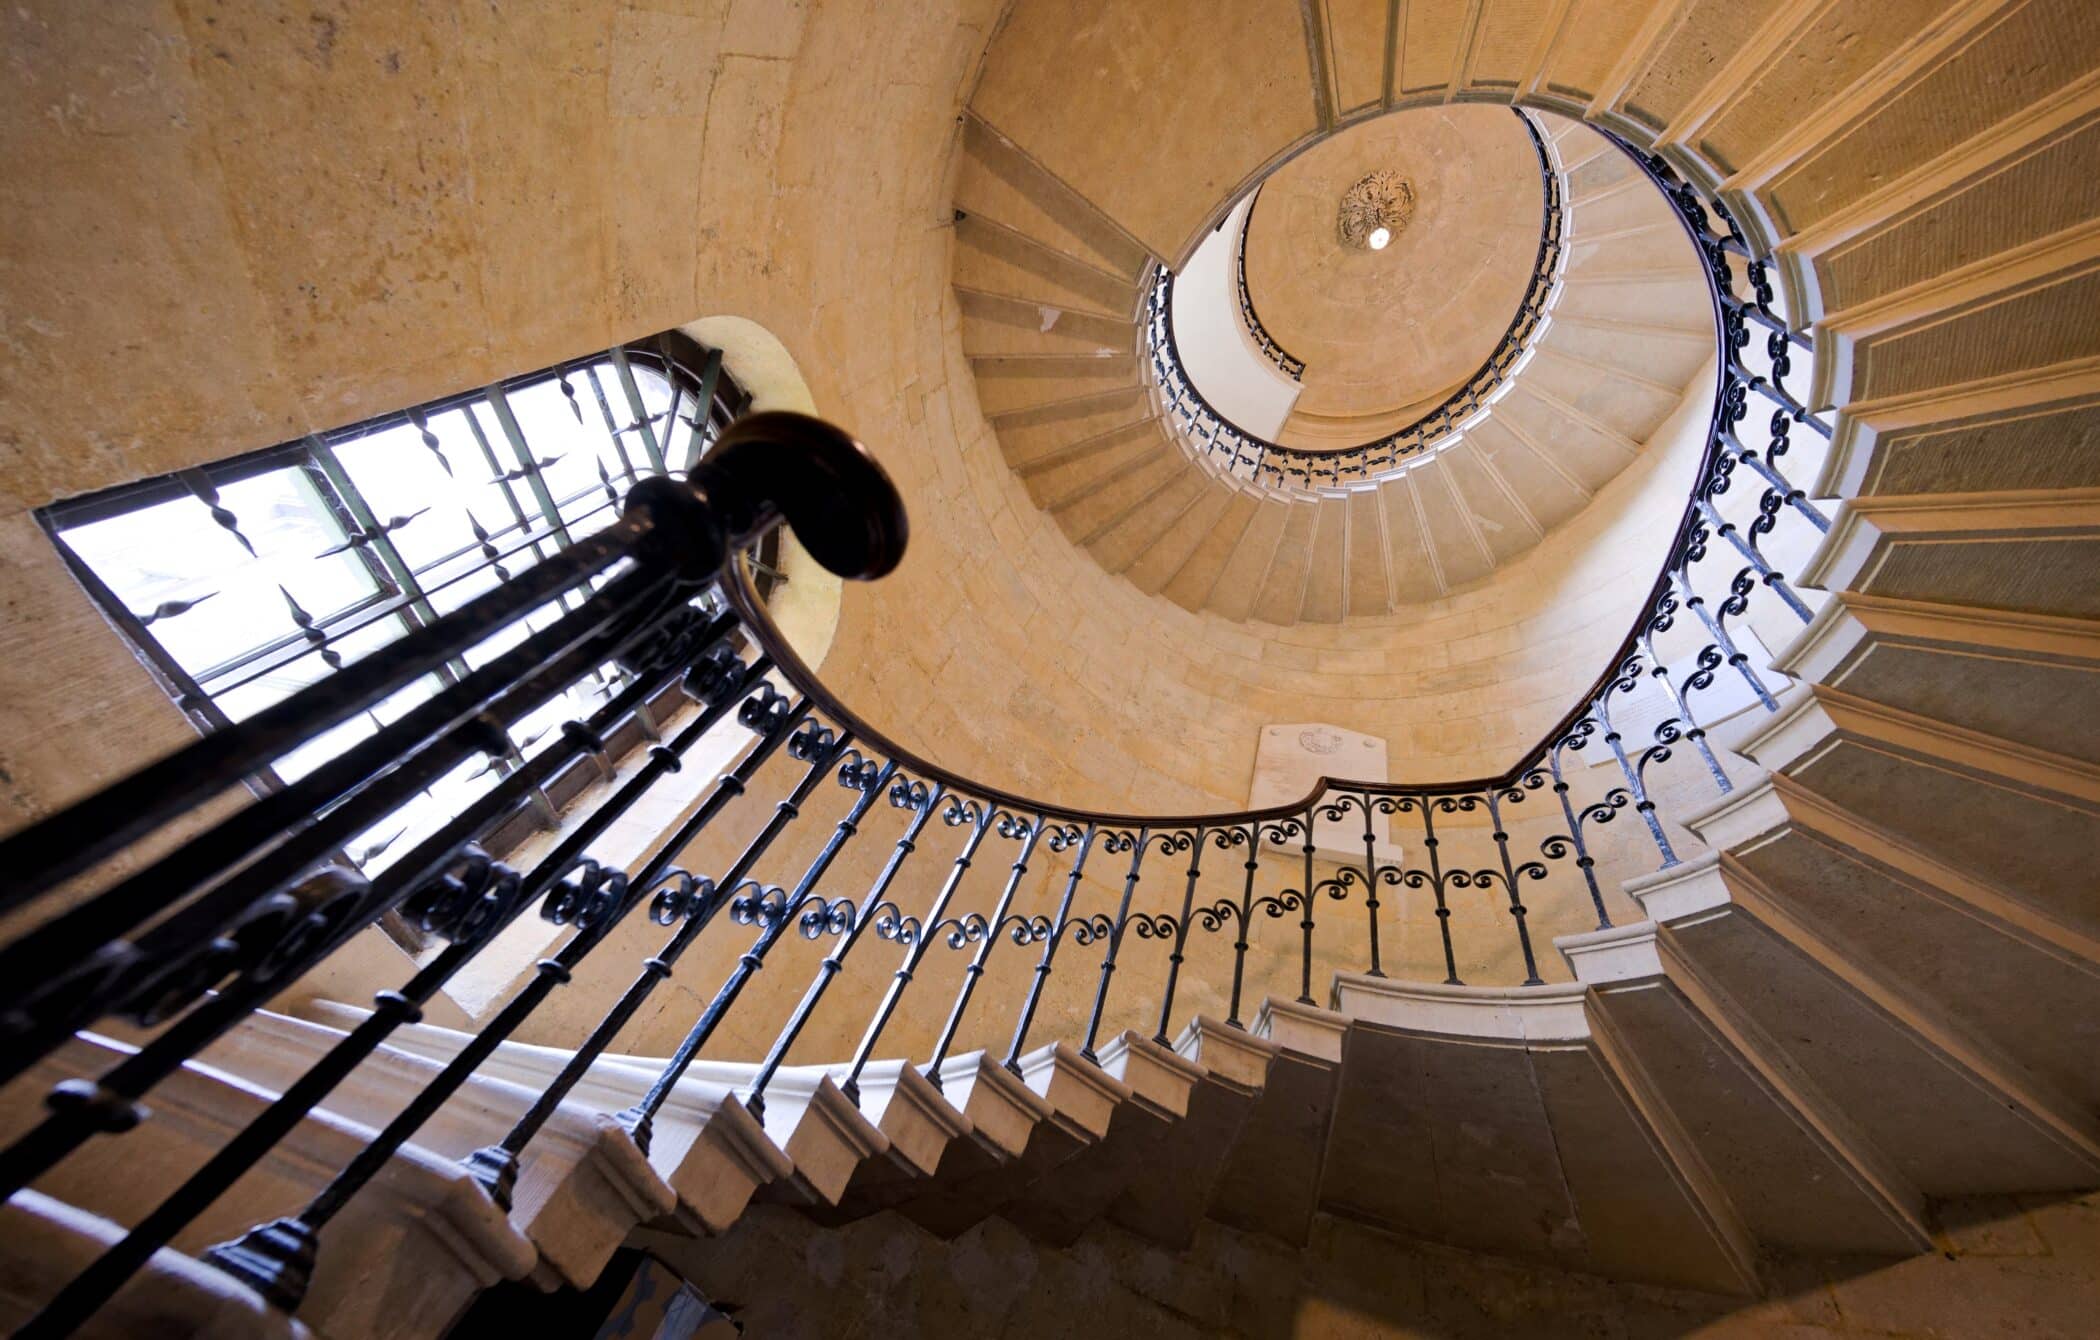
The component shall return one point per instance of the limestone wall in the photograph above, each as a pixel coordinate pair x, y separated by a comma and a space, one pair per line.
228, 226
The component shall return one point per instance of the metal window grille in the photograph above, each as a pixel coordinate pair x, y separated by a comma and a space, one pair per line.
241, 581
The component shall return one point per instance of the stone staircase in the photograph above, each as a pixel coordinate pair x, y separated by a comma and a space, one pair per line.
1050, 288
1874, 993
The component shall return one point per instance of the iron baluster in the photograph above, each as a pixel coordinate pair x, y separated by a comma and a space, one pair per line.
1726, 529
1661, 619
915, 935
920, 798
87, 1108
773, 910
1215, 915
1513, 874
422, 746
1679, 577
1598, 812
1434, 881
496, 1166
1050, 933
1181, 936
1628, 678
276, 1258
1169, 843
986, 933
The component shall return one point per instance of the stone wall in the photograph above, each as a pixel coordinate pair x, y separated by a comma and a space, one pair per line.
230, 226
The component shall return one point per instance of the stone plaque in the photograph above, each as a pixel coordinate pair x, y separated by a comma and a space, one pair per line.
1290, 759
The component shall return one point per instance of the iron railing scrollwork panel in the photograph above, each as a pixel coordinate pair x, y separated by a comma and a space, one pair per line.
208, 931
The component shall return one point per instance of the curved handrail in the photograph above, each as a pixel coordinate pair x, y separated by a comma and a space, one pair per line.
1271, 464
1289, 364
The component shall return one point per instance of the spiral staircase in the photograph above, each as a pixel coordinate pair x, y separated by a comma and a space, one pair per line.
1052, 294
1864, 1002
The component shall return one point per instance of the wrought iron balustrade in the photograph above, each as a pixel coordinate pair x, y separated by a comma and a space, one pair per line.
188, 939
1232, 451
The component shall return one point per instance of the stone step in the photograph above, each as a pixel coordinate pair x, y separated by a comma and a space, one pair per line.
994, 325
998, 181
993, 258
1490, 1118
422, 1207
1030, 435
1169, 1196
1057, 1209
582, 1185
1967, 1124
50, 1242
1082, 1102
1008, 384
2031, 551
2033, 433
2015, 818
2026, 679
1797, 1172
2023, 985
1067, 476
711, 1152
1270, 1183
1174, 549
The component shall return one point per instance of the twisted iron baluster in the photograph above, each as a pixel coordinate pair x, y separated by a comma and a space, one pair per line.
1063, 839
920, 798
1009, 826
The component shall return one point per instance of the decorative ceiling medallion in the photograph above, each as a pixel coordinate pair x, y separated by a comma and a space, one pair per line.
1376, 209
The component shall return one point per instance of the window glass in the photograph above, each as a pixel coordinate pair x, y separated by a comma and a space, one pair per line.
237, 602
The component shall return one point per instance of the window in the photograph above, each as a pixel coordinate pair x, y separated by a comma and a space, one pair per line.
242, 581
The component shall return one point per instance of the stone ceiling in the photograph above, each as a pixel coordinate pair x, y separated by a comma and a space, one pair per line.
1386, 334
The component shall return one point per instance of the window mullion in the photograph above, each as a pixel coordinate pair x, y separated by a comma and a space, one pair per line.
710, 378
496, 470
612, 425
499, 404
641, 411
397, 568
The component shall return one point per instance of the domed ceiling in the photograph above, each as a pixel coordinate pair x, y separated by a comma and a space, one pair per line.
1385, 334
